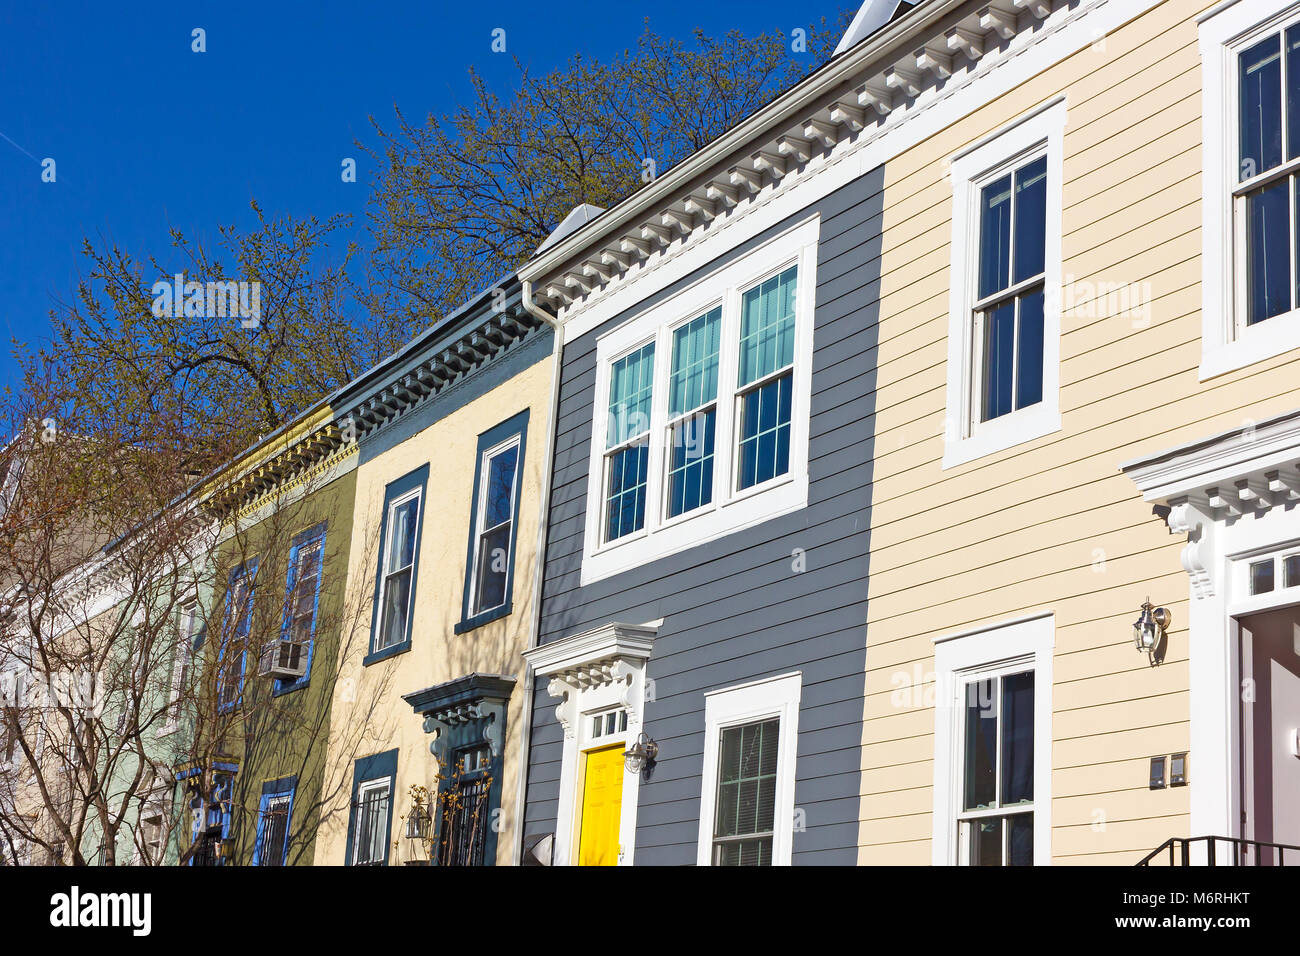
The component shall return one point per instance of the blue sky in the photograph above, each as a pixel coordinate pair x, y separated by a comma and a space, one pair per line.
147, 135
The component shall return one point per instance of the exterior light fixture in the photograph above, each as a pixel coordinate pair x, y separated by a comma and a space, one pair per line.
1150, 627
637, 757
418, 820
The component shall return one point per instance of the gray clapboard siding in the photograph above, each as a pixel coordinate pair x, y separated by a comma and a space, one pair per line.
733, 609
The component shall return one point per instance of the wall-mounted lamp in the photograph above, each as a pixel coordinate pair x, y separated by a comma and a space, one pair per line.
1150, 627
641, 754
418, 820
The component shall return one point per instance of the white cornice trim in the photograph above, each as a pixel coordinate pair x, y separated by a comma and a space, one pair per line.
603, 644
1243, 469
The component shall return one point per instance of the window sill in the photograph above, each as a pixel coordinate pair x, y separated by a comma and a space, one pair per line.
299, 684
1009, 431
374, 657
1261, 341
487, 617
753, 506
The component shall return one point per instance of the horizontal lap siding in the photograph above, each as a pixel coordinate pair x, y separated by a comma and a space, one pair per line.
1053, 524
734, 610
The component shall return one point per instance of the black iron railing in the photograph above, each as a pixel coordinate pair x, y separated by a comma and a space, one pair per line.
1222, 851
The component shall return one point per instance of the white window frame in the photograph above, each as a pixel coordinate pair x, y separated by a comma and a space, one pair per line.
1040, 132
415, 494
180, 666
1007, 647
1227, 343
731, 509
746, 704
485, 460
365, 787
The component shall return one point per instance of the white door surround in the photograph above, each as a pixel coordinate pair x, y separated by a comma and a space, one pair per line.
590, 673
1236, 496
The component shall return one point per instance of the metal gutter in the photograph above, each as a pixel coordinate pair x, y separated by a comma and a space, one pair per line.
535, 625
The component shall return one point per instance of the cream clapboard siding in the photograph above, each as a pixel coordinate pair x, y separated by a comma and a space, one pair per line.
1053, 524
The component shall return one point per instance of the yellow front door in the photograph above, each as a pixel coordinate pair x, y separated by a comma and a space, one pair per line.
602, 801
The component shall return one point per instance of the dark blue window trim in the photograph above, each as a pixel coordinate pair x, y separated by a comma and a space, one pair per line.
274, 788
241, 631
407, 483
374, 767
220, 815
517, 425
312, 534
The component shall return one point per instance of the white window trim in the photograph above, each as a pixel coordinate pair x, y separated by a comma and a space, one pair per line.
1040, 131
959, 658
363, 788
184, 658
484, 473
1226, 344
748, 703
415, 494
731, 510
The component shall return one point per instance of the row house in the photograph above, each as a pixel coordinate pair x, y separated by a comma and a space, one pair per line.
428, 723
884, 416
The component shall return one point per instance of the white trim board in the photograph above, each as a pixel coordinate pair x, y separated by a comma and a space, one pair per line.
747, 703
1031, 641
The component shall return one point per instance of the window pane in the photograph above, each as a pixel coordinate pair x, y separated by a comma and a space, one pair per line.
999, 355
1029, 352
1031, 219
690, 468
764, 443
1020, 840
630, 386
986, 842
493, 560
1268, 252
995, 236
767, 327
981, 745
1261, 577
746, 796
1017, 739
397, 598
1291, 573
401, 547
694, 378
1261, 108
499, 492
625, 494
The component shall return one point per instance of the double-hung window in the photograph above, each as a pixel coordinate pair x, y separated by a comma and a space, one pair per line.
747, 803
766, 379
993, 745
494, 523
302, 598
273, 817
996, 813
1004, 317
188, 640
1008, 313
700, 424
693, 412
370, 840
399, 551
238, 624
399, 566
627, 444
1250, 52
371, 820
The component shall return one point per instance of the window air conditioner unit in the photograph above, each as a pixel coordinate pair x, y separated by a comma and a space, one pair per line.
284, 659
